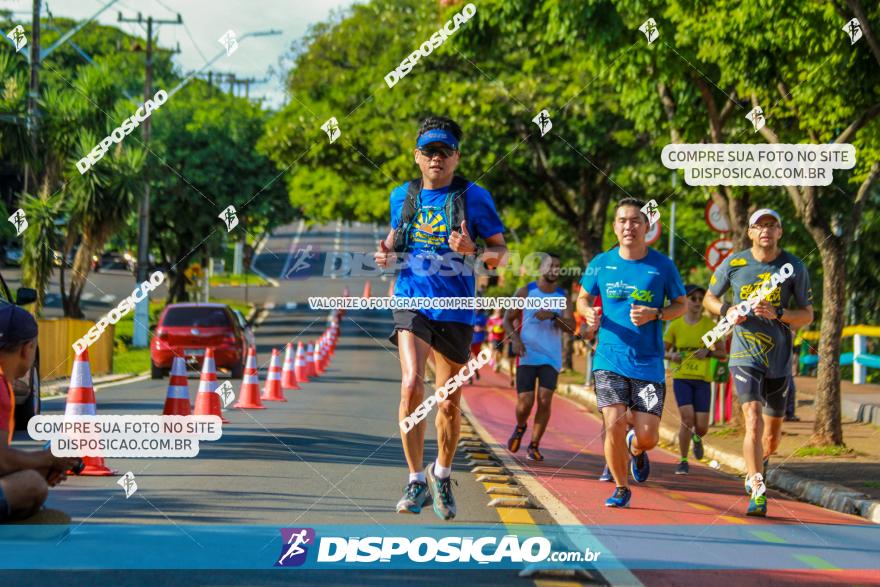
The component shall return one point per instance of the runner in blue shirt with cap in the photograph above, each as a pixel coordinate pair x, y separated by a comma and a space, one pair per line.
435, 223
634, 282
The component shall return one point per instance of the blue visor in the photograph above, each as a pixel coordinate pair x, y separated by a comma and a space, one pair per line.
438, 135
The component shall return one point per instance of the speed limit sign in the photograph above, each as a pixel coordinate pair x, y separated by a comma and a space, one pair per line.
653, 234
716, 218
717, 251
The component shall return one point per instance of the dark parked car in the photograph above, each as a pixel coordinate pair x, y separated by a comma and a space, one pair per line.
187, 329
27, 388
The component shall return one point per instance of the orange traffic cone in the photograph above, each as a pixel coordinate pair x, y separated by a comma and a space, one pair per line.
207, 399
177, 400
367, 289
300, 365
288, 373
316, 358
81, 402
249, 393
272, 388
310, 361
325, 351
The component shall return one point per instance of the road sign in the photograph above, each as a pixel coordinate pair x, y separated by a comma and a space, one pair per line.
716, 218
653, 234
717, 251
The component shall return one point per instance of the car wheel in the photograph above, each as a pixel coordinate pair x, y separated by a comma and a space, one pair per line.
156, 372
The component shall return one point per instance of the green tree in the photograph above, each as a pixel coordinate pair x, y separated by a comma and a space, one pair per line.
39, 242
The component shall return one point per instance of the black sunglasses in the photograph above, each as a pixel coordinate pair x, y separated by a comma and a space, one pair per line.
429, 152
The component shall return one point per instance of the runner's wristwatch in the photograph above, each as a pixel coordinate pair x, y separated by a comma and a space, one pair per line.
660, 313
779, 312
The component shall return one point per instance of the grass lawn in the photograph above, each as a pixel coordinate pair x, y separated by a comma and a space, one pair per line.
131, 360
238, 279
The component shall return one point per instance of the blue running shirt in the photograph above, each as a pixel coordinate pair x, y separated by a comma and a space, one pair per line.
428, 242
624, 348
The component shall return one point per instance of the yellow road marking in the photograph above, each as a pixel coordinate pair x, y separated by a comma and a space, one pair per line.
733, 520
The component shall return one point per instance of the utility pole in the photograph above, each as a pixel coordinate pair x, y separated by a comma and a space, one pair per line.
142, 309
33, 92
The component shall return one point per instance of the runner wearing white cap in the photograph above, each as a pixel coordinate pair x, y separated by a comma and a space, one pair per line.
760, 354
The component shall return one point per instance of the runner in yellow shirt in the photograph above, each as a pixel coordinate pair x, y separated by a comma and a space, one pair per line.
691, 375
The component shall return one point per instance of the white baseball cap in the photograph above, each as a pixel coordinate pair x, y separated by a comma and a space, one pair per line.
764, 212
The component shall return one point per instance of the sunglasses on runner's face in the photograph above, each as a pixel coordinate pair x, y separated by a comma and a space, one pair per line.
429, 152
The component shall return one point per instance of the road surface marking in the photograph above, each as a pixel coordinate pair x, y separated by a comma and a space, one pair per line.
816, 562
557, 510
733, 519
108, 298
767, 536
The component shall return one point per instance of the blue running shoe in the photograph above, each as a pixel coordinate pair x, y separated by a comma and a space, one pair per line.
757, 506
620, 499
606, 474
415, 496
763, 474
444, 503
639, 466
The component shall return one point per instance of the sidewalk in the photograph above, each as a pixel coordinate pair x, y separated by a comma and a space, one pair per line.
847, 481
860, 403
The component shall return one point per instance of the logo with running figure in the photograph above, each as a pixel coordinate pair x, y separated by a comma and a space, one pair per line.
295, 546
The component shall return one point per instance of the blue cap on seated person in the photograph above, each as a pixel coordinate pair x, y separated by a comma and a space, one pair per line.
16, 325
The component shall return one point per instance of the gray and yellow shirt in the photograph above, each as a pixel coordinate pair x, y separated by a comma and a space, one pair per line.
761, 342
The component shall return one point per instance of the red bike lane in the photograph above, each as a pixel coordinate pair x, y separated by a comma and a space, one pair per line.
704, 508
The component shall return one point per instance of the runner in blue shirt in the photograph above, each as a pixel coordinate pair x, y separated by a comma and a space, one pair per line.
435, 222
634, 282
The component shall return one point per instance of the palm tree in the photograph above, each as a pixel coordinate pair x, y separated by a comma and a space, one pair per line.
100, 203
39, 241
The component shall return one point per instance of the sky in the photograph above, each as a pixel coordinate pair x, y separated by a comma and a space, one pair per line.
204, 22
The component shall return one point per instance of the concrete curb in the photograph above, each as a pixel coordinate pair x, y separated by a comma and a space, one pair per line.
827, 495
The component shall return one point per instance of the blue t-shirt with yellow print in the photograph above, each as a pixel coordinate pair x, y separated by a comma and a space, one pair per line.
425, 275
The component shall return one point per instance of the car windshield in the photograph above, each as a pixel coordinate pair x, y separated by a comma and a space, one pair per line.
192, 316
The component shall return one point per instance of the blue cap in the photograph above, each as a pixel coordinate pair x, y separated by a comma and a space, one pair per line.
438, 135
16, 325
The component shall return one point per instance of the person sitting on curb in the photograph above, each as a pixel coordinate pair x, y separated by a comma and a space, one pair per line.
25, 476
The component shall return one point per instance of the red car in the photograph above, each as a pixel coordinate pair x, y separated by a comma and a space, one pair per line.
186, 330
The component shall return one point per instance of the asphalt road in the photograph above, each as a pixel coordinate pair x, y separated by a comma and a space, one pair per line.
330, 455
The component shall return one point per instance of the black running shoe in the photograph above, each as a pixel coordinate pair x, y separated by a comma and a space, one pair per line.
516, 438
698, 446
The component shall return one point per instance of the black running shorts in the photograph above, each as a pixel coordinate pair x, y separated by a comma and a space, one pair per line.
636, 394
450, 339
528, 375
752, 386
